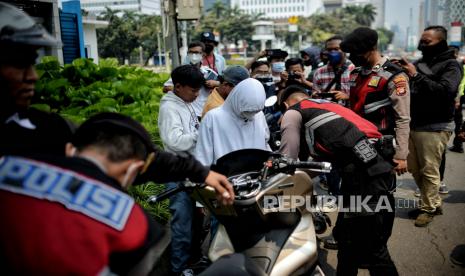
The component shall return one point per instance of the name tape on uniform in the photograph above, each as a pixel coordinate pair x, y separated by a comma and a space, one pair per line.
76, 192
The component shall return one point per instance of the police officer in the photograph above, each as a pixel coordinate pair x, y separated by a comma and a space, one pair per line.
379, 91
24, 129
70, 215
331, 132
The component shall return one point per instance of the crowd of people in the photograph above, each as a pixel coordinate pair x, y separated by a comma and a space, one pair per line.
62, 188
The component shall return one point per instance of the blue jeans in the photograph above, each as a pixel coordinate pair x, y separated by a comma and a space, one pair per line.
182, 210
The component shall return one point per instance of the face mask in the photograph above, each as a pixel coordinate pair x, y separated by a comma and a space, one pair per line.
208, 48
248, 115
308, 62
358, 60
264, 78
194, 58
334, 58
278, 67
130, 175
430, 51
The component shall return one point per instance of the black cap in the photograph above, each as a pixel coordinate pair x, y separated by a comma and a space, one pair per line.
113, 121
360, 41
291, 89
276, 53
208, 37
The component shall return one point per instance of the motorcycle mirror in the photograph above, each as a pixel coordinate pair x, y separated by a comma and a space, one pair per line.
271, 101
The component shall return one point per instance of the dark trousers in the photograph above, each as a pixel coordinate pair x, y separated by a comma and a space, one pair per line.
362, 238
458, 119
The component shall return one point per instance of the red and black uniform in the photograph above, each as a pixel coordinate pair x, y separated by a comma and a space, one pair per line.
334, 133
66, 216
382, 96
370, 95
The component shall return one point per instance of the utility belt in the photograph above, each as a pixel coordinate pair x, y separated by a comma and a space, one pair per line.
370, 151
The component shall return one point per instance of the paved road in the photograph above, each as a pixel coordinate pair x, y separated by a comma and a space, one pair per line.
423, 251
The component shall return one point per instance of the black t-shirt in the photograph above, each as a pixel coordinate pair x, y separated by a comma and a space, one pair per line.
34, 132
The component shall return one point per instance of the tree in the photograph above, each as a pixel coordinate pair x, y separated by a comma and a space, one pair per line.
319, 27
385, 37
119, 39
364, 15
233, 24
126, 32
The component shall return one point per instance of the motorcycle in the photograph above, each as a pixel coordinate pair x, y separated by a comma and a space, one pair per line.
278, 236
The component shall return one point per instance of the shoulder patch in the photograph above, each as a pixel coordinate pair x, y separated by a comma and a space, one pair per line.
76, 192
400, 81
374, 81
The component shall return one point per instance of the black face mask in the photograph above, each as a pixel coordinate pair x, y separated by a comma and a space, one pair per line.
430, 51
358, 60
308, 62
209, 48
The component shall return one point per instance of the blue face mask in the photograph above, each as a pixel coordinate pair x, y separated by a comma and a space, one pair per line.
334, 57
278, 67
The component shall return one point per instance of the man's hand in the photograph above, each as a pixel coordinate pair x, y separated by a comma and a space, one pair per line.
407, 66
339, 95
212, 83
224, 190
284, 76
401, 167
167, 88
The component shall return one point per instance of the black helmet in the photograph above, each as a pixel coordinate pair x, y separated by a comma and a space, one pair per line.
18, 28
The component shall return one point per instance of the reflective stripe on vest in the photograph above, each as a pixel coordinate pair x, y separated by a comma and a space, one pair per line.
315, 123
377, 105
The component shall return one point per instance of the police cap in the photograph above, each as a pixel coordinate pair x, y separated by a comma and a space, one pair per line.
360, 41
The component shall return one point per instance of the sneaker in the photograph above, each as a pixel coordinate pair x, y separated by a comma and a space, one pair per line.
423, 219
456, 149
443, 189
417, 192
187, 272
330, 243
324, 184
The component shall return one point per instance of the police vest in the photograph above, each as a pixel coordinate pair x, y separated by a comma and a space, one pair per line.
331, 129
369, 96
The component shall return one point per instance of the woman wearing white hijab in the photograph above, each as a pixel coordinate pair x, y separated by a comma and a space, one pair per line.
238, 124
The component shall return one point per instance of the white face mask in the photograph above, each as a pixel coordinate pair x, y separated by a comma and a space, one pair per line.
194, 58
278, 67
248, 115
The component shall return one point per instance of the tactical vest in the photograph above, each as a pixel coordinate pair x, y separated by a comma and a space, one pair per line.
369, 96
330, 129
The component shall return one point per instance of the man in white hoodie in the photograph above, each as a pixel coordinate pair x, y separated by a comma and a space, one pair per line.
238, 124
178, 125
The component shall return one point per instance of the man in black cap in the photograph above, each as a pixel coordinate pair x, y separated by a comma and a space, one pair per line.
25, 130
211, 59
379, 91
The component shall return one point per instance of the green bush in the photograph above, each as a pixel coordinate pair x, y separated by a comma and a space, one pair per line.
81, 89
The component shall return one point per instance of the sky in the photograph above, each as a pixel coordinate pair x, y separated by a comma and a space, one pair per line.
398, 11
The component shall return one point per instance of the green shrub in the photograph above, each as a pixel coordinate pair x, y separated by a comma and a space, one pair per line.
81, 89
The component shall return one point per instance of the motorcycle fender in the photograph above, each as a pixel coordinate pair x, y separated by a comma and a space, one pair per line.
221, 244
300, 250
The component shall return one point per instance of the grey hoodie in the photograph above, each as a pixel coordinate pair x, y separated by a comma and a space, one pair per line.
178, 125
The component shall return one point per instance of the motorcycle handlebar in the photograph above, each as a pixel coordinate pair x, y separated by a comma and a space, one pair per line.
318, 166
165, 194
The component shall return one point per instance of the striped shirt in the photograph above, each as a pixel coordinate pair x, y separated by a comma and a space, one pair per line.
325, 74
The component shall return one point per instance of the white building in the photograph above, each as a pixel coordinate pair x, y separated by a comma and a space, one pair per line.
90, 26
143, 6
275, 9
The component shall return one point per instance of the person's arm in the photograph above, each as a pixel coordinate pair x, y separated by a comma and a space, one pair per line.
399, 93
290, 133
168, 167
445, 85
204, 149
257, 56
172, 131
